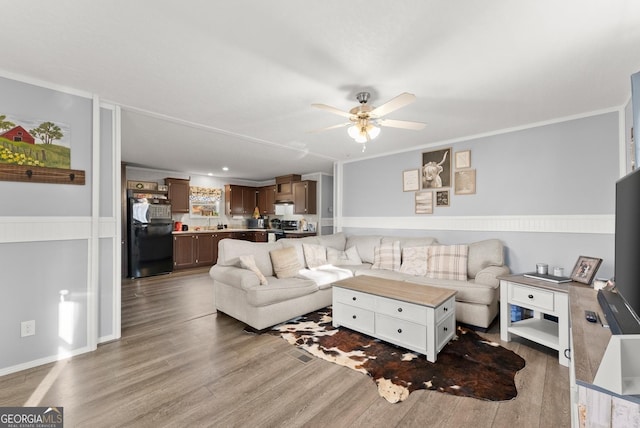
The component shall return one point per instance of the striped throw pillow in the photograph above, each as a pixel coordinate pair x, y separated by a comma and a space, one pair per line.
447, 262
387, 256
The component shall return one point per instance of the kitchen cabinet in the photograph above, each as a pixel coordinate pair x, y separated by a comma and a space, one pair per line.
284, 187
251, 235
304, 197
267, 200
239, 200
178, 194
195, 249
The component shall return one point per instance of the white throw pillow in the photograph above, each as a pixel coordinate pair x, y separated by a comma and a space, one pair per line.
414, 261
343, 258
285, 262
248, 262
387, 256
314, 255
447, 262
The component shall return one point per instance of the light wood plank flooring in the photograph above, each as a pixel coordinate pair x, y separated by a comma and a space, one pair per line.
180, 364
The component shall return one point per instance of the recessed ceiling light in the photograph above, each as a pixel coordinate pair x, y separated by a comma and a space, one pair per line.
225, 168
210, 174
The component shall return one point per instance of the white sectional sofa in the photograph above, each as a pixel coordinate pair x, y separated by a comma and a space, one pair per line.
293, 288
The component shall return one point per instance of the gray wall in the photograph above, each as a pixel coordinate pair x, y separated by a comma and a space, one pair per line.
48, 238
555, 172
635, 100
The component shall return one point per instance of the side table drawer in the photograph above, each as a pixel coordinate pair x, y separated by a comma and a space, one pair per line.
531, 296
445, 331
353, 317
353, 298
402, 310
401, 332
445, 309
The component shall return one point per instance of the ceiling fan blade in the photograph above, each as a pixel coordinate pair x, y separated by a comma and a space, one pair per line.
341, 125
404, 124
332, 110
393, 104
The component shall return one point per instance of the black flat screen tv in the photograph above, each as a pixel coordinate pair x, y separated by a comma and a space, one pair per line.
622, 307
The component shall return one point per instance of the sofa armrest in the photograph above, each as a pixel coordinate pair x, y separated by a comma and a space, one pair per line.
490, 274
234, 276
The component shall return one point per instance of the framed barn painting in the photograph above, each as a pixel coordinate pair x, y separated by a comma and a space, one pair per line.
436, 169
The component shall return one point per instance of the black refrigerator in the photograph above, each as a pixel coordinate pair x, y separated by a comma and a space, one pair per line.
150, 240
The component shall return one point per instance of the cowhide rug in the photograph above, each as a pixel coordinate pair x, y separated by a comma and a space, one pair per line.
469, 365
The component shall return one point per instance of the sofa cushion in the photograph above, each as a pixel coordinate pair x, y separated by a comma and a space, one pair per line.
447, 262
336, 240
285, 262
231, 249
387, 256
406, 242
414, 261
297, 244
349, 257
248, 262
467, 291
280, 290
484, 253
314, 255
365, 245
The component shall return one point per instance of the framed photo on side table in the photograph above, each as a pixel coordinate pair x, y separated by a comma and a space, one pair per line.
585, 269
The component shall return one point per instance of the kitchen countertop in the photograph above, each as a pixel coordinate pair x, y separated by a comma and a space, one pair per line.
211, 230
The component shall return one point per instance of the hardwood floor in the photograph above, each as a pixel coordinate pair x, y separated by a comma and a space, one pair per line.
181, 364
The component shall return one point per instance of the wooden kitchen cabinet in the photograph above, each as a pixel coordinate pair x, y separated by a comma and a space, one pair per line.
239, 200
195, 249
183, 251
267, 199
304, 197
178, 194
251, 235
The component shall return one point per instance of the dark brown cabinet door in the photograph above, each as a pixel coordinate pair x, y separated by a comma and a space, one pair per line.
204, 249
178, 194
267, 199
304, 197
240, 200
184, 255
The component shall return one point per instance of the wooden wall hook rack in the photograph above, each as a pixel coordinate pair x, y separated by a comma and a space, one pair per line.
39, 174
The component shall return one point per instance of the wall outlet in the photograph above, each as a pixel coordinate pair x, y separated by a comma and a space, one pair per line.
27, 328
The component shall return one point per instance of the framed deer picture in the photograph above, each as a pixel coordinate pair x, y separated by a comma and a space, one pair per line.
435, 172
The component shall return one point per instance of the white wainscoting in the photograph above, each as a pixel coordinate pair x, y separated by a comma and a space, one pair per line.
598, 224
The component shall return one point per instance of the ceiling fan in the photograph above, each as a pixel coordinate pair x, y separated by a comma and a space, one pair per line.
366, 120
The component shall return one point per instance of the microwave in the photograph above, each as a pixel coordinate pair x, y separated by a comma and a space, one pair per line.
255, 223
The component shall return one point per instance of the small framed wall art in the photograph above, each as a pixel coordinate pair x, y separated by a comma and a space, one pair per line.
442, 198
465, 182
424, 202
411, 180
463, 159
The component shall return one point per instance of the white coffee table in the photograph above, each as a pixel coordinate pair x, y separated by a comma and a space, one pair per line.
420, 318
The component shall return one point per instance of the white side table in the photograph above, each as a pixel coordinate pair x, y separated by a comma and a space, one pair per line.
542, 297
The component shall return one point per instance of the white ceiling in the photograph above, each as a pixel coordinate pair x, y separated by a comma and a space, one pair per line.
206, 84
